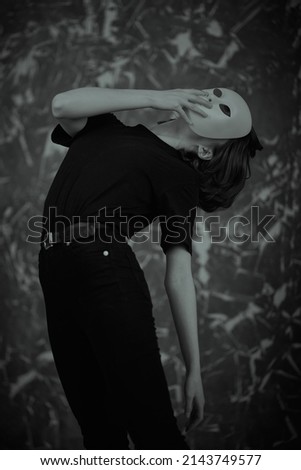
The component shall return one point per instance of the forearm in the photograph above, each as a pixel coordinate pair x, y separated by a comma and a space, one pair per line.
90, 101
182, 299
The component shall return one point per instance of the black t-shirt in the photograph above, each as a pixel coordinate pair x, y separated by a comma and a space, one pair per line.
125, 174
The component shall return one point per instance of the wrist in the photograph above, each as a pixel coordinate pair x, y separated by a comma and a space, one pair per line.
153, 99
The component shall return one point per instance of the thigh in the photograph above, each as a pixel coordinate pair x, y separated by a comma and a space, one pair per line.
133, 358
114, 297
114, 310
83, 375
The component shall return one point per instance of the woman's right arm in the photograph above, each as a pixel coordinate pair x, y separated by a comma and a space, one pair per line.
90, 101
72, 108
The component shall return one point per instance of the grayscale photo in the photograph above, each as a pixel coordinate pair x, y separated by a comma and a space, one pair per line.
150, 200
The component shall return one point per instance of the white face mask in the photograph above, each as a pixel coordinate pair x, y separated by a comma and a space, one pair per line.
229, 117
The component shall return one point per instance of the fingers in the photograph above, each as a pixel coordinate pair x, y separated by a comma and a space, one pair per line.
201, 97
194, 401
188, 406
198, 109
201, 101
193, 424
198, 92
205, 102
195, 418
183, 101
194, 411
182, 113
197, 104
196, 96
193, 107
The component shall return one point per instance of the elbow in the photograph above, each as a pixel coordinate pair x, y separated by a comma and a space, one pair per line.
57, 106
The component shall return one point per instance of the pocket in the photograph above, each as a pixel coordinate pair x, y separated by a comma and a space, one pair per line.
88, 260
128, 273
94, 272
81, 247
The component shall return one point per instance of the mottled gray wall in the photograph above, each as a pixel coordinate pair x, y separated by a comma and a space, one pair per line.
248, 293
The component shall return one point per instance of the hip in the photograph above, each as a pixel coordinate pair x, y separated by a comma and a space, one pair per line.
94, 265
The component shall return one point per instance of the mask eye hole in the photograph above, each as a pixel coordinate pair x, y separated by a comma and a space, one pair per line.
217, 92
225, 109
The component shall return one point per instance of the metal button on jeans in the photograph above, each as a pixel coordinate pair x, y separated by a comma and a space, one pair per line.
105, 253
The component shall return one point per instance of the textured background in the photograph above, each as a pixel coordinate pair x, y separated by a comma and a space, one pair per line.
248, 293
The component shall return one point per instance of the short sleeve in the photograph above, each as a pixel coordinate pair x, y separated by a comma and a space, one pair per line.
61, 137
178, 208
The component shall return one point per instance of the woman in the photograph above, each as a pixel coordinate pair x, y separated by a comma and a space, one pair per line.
114, 180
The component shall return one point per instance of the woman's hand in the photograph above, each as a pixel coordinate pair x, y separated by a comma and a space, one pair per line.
177, 100
194, 400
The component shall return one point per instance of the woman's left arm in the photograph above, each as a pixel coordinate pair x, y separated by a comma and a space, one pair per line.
180, 289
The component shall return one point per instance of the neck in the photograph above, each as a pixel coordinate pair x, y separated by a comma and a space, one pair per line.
170, 132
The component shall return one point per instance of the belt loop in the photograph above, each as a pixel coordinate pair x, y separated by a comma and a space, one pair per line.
47, 246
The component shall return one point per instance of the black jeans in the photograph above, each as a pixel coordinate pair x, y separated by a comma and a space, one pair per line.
102, 334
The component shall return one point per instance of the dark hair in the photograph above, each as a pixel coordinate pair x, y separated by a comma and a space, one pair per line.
224, 176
